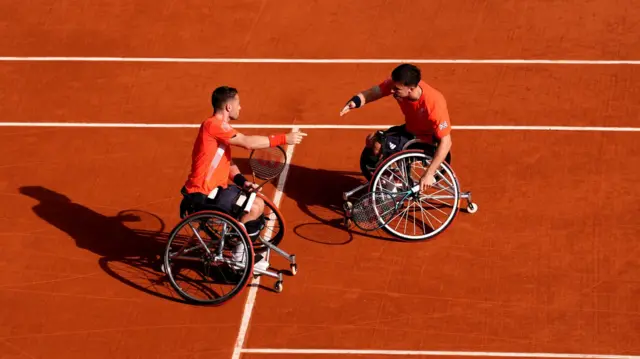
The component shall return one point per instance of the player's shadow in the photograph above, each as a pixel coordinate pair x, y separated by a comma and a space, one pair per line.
128, 255
318, 193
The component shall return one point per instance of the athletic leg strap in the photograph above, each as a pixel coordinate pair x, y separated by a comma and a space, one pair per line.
254, 226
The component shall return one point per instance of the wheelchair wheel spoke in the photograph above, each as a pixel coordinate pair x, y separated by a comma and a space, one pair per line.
422, 216
213, 263
437, 206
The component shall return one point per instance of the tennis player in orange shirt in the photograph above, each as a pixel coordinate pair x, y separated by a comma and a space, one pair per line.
212, 167
426, 118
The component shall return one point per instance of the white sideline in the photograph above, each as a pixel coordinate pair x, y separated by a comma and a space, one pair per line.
313, 61
253, 289
317, 126
434, 353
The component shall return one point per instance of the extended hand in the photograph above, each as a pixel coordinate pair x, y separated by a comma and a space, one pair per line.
295, 137
347, 108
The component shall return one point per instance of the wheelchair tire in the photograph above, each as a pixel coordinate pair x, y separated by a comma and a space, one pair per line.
417, 155
238, 236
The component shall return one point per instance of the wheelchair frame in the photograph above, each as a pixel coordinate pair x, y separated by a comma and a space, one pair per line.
243, 204
368, 184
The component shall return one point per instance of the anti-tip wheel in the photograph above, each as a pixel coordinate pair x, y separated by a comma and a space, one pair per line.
294, 269
278, 286
472, 208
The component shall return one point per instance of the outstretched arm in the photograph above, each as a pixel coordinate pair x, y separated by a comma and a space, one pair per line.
369, 95
254, 142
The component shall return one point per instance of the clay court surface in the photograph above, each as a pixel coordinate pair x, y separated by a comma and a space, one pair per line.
548, 266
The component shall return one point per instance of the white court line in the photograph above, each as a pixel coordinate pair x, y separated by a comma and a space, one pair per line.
316, 61
253, 290
318, 126
434, 353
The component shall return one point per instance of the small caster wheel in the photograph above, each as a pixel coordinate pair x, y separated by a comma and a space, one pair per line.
294, 269
278, 286
472, 208
347, 207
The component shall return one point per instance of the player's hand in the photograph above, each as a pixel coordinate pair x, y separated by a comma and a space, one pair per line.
295, 137
347, 107
427, 181
252, 186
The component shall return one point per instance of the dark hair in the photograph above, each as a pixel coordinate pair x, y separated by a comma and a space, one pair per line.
406, 74
221, 95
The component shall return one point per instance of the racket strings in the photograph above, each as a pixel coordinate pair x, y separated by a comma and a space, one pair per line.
267, 163
373, 210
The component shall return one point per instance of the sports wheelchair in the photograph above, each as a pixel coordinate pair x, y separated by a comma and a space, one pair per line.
393, 193
211, 247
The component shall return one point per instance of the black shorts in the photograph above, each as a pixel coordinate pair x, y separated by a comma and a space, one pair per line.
224, 201
394, 139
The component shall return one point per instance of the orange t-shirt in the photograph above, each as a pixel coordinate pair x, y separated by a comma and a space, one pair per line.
425, 118
211, 156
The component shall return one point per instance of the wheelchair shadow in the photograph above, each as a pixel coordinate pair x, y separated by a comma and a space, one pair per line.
318, 193
132, 256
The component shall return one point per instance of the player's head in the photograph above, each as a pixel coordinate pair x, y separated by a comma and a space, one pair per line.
225, 99
405, 79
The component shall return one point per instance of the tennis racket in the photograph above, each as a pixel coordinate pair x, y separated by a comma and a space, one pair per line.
374, 210
266, 164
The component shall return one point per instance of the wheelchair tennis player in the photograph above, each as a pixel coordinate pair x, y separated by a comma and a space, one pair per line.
212, 166
426, 119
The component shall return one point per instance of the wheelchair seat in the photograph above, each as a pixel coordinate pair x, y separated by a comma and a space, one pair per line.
242, 203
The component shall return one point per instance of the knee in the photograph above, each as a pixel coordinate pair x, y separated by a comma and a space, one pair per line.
373, 143
257, 207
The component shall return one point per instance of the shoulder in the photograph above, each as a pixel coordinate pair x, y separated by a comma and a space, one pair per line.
216, 126
385, 86
386, 83
431, 95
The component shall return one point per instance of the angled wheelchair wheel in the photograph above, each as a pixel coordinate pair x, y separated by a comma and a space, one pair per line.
274, 226
424, 215
208, 258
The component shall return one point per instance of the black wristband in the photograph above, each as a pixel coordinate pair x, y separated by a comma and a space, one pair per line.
239, 180
356, 100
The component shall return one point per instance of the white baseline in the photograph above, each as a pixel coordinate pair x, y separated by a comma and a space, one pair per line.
318, 126
315, 61
434, 353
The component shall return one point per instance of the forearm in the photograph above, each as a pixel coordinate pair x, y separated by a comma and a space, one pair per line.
236, 176
257, 142
233, 171
441, 154
369, 95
